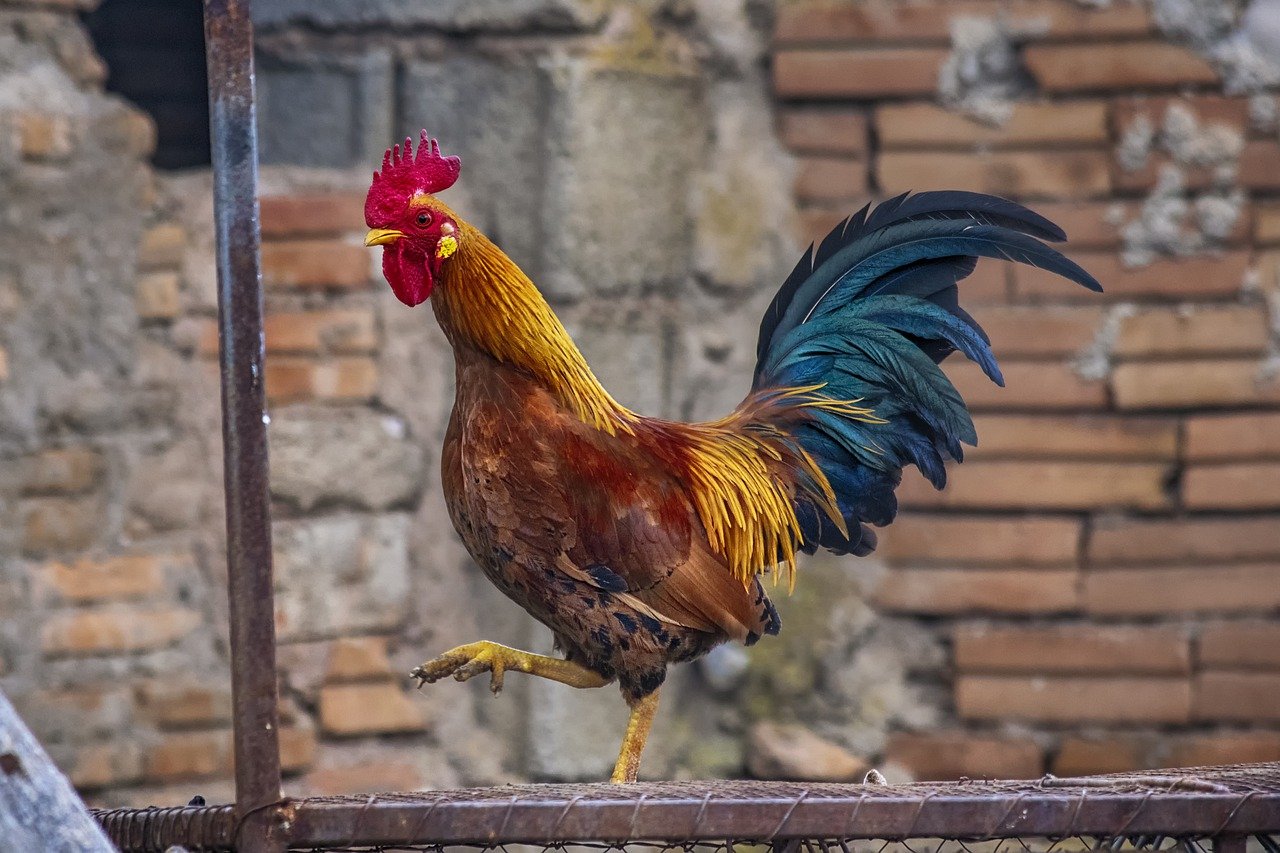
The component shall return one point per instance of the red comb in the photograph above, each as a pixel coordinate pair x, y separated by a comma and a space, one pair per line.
404, 174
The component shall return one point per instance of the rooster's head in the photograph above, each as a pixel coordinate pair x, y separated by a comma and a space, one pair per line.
416, 231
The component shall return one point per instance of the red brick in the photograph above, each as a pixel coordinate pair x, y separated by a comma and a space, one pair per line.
1073, 700
1147, 176
1022, 541
369, 708
878, 20
1020, 174
1030, 386
115, 631
1066, 19
1097, 224
297, 748
1081, 649
943, 756
60, 524
156, 296
987, 285
294, 379
954, 591
1092, 756
1243, 485
189, 755
810, 130
1208, 109
112, 578
104, 765
1115, 66
1074, 437
365, 776
1207, 277
45, 136
1246, 697
1166, 591
162, 247
927, 125
1256, 169
339, 331
76, 713
1212, 330
185, 704
1189, 540
1208, 383
1224, 748
818, 22
1021, 331
1240, 645
315, 263
868, 73
1267, 270
828, 180
1224, 438
65, 471
1065, 485
1266, 223
1089, 224
358, 658
312, 214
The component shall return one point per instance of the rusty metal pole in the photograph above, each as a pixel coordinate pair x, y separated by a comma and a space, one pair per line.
228, 35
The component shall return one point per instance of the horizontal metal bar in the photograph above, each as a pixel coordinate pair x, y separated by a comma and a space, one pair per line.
1202, 803
858, 816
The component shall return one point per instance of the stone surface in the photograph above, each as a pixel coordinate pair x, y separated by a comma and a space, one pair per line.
119, 630
643, 131
375, 708
356, 658
492, 112
340, 574
792, 752
459, 16
347, 455
321, 110
86, 580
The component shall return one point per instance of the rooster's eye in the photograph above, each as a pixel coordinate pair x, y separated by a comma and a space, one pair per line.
424, 218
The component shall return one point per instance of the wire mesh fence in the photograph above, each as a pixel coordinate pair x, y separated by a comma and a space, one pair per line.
1079, 844
1187, 809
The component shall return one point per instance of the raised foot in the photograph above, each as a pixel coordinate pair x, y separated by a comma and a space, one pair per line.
465, 662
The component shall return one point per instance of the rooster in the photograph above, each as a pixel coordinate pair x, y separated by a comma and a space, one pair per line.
643, 542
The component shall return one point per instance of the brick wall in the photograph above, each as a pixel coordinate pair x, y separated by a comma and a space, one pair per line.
1105, 567
1096, 590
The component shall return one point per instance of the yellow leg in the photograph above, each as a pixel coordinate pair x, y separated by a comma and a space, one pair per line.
628, 766
472, 659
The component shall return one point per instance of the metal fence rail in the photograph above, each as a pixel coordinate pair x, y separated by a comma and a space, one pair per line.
1226, 804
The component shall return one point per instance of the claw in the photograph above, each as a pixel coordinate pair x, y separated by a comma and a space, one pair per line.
464, 663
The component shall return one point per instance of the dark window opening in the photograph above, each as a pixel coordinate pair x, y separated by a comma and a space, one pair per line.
154, 50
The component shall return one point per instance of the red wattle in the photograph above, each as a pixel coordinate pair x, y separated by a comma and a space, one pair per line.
408, 273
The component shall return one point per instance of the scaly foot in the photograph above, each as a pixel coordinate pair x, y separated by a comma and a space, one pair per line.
471, 660
465, 662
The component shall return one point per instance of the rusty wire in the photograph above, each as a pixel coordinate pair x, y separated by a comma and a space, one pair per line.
1146, 810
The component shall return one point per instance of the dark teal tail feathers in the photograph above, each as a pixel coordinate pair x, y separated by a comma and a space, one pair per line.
870, 314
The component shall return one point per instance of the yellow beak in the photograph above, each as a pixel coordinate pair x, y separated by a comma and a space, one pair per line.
382, 236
